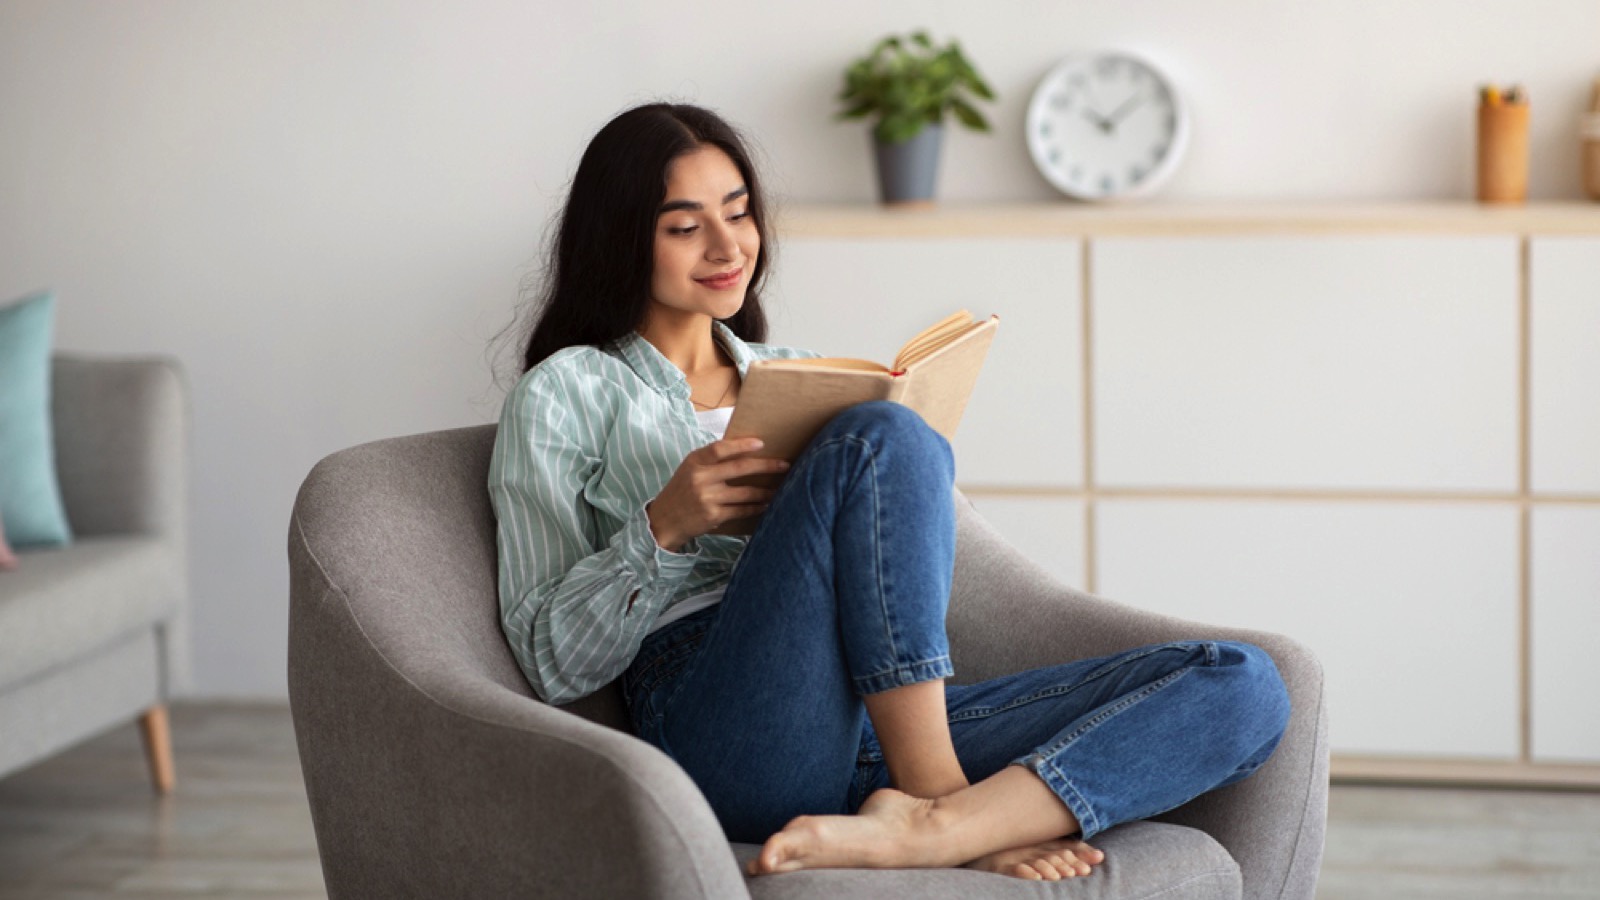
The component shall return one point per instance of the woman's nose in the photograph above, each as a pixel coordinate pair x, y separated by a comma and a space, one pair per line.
722, 247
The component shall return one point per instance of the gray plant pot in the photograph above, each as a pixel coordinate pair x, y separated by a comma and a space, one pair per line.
907, 171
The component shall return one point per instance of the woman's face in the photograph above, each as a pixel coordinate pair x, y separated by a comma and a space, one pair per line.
706, 243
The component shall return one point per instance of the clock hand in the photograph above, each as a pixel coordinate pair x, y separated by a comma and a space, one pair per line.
1128, 106
1099, 121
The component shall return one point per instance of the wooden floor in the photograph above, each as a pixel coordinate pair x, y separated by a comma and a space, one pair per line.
85, 824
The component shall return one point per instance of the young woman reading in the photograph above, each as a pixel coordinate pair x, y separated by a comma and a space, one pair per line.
799, 675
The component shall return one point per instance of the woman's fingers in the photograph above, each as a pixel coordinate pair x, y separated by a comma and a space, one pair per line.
745, 495
748, 465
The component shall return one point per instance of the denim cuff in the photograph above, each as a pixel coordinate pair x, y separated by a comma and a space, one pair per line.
904, 674
1059, 784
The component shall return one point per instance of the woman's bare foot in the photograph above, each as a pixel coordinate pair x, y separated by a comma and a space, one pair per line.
1049, 861
892, 830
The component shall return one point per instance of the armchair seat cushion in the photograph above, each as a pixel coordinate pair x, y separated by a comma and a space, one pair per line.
1143, 859
60, 603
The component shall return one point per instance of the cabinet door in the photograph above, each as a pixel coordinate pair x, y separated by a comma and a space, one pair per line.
1566, 621
1412, 608
1308, 362
865, 297
1565, 365
1047, 530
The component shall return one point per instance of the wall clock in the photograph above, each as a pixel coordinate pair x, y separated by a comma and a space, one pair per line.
1106, 125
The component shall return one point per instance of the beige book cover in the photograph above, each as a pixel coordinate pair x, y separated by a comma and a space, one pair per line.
785, 402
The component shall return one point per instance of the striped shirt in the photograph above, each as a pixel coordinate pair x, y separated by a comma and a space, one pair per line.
586, 439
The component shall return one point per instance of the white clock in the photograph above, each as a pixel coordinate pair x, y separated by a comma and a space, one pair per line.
1106, 125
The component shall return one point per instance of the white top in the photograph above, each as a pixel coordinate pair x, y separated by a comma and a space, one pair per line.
716, 422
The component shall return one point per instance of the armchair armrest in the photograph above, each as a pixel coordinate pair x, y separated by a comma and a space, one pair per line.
1007, 614
121, 435
429, 778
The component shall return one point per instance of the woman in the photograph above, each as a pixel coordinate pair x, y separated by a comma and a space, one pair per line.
798, 675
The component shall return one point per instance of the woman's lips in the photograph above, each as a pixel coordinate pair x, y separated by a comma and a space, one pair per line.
724, 281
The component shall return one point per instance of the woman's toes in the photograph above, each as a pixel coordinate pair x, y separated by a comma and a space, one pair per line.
1025, 872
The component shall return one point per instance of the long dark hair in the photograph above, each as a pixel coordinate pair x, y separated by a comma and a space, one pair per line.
597, 280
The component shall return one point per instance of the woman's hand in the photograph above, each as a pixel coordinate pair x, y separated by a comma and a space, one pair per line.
698, 498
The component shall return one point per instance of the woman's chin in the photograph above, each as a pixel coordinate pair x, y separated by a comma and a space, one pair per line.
727, 309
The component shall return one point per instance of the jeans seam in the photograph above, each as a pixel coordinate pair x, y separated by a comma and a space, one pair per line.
866, 450
877, 553
1058, 690
1058, 782
1121, 706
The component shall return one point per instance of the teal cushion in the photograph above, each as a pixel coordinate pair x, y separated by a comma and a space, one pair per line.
30, 498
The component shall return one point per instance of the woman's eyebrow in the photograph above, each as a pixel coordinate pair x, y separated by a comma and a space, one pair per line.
695, 205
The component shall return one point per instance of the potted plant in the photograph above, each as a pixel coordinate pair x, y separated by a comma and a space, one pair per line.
910, 85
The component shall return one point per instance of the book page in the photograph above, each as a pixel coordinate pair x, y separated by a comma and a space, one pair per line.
933, 336
911, 359
939, 386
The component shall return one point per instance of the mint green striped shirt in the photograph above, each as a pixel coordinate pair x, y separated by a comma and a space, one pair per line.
586, 439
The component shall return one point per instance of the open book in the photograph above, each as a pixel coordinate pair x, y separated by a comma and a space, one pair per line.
785, 402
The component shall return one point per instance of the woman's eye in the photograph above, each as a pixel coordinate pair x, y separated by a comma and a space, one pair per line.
740, 215
686, 229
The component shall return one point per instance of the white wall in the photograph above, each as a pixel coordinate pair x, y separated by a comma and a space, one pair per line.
324, 209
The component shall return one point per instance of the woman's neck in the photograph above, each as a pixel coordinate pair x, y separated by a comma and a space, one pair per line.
686, 342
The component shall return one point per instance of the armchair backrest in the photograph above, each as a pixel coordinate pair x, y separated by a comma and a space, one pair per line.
405, 528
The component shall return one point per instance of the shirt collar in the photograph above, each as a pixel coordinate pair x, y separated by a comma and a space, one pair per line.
657, 371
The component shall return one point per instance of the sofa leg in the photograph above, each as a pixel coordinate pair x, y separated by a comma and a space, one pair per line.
158, 747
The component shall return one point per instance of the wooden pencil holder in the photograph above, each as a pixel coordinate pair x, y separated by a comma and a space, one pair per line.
1591, 154
1502, 152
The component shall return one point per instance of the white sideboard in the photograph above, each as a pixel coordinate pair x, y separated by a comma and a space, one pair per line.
1373, 428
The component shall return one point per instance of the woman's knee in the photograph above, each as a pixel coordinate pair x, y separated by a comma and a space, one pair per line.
892, 426
878, 414
1261, 698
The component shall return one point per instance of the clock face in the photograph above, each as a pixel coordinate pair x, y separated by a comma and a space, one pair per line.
1106, 125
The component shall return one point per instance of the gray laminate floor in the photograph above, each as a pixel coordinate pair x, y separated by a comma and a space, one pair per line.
85, 824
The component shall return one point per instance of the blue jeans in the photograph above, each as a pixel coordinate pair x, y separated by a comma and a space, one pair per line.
842, 592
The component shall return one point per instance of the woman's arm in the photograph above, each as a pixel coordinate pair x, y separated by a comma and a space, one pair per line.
574, 605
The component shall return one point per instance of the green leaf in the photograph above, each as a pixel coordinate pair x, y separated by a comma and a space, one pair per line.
979, 87
859, 111
898, 128
967, 115
908, 81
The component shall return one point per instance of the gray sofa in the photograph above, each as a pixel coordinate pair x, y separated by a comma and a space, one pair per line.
432, 771
90, 633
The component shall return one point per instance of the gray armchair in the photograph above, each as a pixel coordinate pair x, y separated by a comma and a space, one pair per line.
91, 634
433, 771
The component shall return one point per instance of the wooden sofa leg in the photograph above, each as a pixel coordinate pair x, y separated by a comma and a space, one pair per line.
158, 747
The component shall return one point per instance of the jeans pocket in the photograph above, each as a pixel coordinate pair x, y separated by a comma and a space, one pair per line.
649, 679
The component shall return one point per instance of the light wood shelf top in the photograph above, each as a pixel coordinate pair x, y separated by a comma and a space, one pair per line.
1069, 219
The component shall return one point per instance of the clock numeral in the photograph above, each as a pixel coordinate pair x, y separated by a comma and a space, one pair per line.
1135, 175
